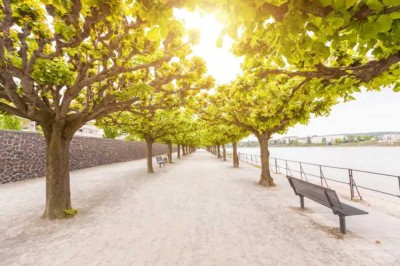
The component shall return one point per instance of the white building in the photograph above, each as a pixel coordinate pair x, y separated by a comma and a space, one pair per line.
302, 140
288, 139
28, 125
391, 138
327, 139
90, 130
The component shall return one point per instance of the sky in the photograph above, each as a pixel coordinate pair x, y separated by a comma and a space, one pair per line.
370, 112
220, 62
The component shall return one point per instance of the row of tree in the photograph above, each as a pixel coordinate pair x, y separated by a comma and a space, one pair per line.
127, 65
302, 57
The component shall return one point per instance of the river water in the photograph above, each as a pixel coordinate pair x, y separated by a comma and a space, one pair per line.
374, 159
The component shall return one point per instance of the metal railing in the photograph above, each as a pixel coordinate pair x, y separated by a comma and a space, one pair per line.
377, 182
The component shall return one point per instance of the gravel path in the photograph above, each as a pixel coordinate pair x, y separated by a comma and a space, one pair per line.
197, 211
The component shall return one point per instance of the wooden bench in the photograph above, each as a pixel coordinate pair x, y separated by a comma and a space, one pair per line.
324, 196
160, 160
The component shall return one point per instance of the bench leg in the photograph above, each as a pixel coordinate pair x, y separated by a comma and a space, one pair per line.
301, 201
342, 220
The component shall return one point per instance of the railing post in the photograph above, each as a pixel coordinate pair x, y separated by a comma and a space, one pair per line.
276, 166
398, 178
286, 168
251, 159
320, 174
351, 183
301, 172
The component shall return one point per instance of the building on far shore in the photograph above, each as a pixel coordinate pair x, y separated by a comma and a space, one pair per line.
289, 139
327, 139
390, 138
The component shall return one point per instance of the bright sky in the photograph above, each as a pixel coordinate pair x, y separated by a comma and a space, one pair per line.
370, 112
220, 62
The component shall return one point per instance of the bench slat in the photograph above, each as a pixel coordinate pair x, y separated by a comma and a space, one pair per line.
348, 210
315, 196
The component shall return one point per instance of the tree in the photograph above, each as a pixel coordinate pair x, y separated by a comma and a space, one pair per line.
269, 106
156, 115
185, 124
344, 43
309, 140
10, 122
216, 132
65, 63
109, 132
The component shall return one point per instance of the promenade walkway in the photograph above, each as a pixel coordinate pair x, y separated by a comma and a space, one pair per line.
197, 211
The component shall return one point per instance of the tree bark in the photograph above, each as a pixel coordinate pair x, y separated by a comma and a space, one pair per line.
58, 196
265, 178
179, 151
183, 150
149, 143
235, 155
218, 151
224, 152
169, 152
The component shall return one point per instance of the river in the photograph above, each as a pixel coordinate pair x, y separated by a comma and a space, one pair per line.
368, 158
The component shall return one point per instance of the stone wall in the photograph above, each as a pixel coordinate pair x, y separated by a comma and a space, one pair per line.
22, 154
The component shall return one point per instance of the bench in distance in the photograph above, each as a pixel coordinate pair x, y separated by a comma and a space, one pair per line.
160, 160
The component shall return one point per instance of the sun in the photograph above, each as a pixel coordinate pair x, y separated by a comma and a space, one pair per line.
221, 63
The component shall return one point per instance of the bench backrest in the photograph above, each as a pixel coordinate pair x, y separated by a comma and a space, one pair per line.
159, 159
322, 195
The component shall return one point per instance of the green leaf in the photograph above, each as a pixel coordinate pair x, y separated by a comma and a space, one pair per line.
325, 2
395, 15
219, 42
350, 3
335, 22
386, 22
153, 34
375, 5
338, 4
232, 31
391, 2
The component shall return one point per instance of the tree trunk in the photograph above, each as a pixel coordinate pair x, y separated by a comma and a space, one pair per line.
183, 150
265, 178
179, 151
170, 152
149, 143
218, 151
224, 152
235, 155
58, 196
